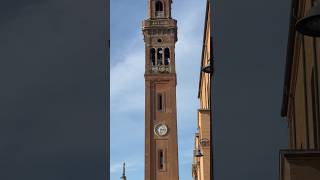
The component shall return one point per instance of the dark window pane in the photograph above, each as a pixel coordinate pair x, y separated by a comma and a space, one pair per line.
153, 56
166, 56
159, 55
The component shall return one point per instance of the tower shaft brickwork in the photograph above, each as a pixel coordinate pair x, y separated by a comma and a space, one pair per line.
161, 143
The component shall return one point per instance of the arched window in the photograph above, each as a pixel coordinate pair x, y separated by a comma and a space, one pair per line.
159, 6
166, 56
159, 56
159, 9
153, 56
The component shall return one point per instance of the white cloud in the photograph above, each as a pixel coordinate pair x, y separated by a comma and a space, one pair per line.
127, 83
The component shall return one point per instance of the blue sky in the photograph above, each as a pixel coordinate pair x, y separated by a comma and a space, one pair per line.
127, 83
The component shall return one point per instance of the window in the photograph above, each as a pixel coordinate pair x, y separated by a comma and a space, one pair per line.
167, 56
159, 56
153, 56
161, 159
159, 9
159, 6
161, 101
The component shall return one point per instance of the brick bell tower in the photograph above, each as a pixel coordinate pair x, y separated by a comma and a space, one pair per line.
161, 144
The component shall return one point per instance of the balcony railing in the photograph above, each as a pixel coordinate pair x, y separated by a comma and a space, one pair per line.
159, 13
159, 69
149, 23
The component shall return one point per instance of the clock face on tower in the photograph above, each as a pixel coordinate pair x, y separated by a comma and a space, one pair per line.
161, 129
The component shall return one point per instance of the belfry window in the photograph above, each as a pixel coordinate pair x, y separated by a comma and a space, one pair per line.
167, 56
159, 56
153, 56
159, 9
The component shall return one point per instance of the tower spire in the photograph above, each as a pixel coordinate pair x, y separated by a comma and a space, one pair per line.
123, 177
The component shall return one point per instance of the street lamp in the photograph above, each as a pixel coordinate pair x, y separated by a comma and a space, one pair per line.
208, 68
310, 24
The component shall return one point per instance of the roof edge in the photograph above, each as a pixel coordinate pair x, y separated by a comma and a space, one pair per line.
203, 44
289, 58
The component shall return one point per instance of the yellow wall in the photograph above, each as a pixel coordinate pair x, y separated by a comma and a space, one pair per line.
201, 165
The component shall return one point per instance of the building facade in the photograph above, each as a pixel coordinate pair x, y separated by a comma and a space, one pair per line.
300, 106
161, 146
202, 159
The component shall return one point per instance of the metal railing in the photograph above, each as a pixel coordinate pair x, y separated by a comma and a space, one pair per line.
159, 13
160, 68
